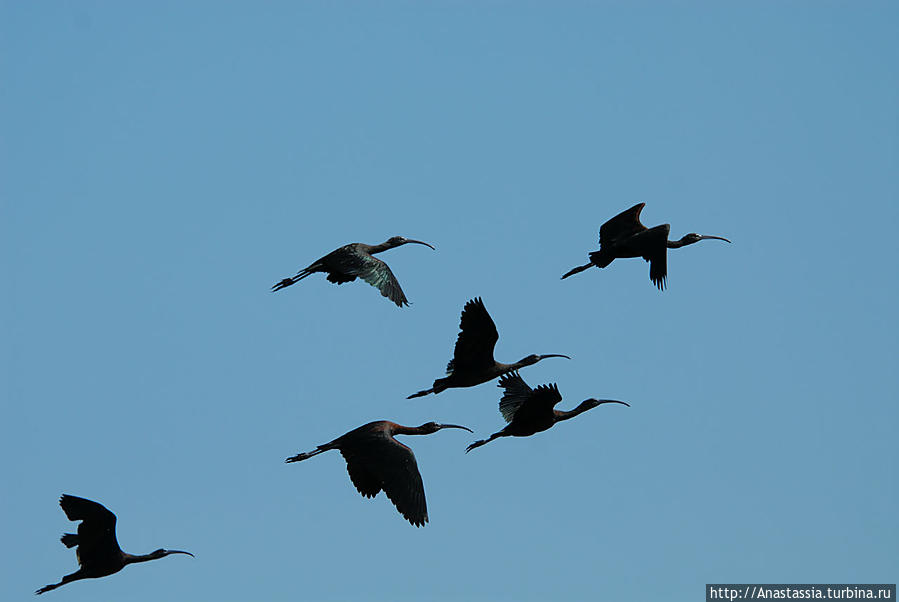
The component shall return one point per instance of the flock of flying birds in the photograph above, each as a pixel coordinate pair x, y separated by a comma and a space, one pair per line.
375, 460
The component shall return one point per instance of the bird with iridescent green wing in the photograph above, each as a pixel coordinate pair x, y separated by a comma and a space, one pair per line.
356, 260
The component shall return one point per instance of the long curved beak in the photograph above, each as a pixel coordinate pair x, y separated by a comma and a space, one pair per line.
179, 552
714, 237
624, 403
455, 426
553, 355
419, 242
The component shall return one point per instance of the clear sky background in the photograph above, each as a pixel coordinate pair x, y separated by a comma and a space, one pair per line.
164, 163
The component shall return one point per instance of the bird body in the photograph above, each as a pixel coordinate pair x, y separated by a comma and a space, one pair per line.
376, 461
356, 260
98, 551
624, 236
529, 411
473, 362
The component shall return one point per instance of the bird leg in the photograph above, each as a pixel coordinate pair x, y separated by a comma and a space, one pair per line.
293, 280
439, 385
68, 578
283, 284
422, 393
305, 455
484, 441
573, 271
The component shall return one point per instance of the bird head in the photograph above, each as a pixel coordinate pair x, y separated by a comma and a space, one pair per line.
693, 237
395, 241
162, 553
432, 427
589, 404
534, 358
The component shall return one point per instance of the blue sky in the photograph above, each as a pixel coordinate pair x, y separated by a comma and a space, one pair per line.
164, 164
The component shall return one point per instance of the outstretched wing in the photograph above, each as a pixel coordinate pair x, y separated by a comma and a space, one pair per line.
624, 225
402, 482
655, 244
378, 274
96, 533
385, 463
477, 338
366, 482
353, 262
516, 392
78, 508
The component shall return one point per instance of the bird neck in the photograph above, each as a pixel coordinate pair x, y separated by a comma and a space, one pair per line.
502, 368
399, 429
132, 558
677, 244
566, 414
372, 249
522, 363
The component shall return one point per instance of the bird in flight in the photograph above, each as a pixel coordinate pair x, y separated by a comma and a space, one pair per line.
624, 236
356, 260
97, 550
528, 411
376, 461
473, 362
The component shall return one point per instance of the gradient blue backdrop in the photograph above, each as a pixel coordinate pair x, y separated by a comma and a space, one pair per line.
163, 164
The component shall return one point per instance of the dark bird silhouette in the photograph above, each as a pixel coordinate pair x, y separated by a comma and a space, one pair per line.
530, 411
98, 552
624, 236
355, 261
376, 461
473, 362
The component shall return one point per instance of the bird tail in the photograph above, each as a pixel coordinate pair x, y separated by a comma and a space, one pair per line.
573, 271
293, 280
69, 540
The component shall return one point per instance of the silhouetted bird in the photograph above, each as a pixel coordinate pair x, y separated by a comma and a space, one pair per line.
473, 362
624, 236
355, 261
376, 461
98, 551
530, 411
